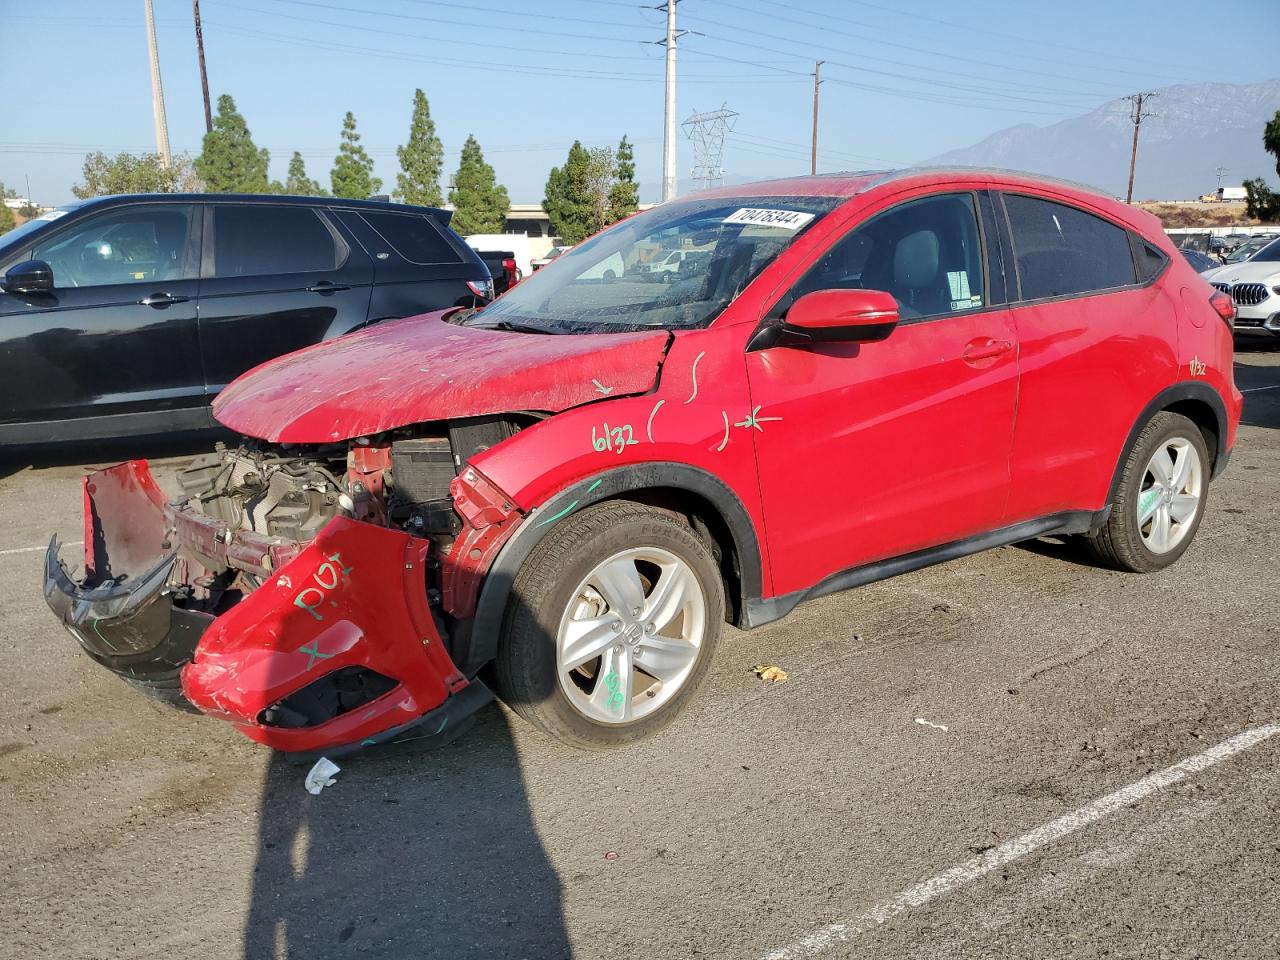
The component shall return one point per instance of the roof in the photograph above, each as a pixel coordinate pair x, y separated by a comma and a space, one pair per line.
275, 198
855, 182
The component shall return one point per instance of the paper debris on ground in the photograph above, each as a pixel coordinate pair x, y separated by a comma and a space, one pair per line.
770, 673
321, 775
929, 723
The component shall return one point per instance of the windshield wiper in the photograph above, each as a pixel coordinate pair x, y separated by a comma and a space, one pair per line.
513, 327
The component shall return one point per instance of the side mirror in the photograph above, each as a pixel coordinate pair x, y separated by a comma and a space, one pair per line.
33, 276
859, 316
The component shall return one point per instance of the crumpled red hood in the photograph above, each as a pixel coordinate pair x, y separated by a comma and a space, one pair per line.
421, 368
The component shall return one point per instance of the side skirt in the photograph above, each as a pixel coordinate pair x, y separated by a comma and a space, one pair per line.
760, 610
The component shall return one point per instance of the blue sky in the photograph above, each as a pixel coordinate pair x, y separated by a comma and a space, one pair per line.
905, 79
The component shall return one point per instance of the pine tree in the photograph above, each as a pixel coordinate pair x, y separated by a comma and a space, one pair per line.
352, 174
480, 203
624, 196
229, 162
421, 159
567, 200
297, 183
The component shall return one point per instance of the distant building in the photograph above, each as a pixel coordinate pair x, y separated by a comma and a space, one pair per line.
16, 203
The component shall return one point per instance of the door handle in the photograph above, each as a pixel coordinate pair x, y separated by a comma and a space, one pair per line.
161, 300
325, 286
987, 349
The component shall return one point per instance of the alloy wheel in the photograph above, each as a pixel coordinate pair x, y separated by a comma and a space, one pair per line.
630, 635
1170, 497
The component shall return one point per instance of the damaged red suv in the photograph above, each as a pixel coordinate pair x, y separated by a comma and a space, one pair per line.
565, 494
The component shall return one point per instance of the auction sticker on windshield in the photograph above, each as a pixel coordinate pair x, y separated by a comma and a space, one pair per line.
757, 216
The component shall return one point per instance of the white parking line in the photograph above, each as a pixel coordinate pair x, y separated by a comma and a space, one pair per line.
826, 937
1274, 386
68, 543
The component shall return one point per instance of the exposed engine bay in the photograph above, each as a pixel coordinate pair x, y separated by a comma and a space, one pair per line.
283, 580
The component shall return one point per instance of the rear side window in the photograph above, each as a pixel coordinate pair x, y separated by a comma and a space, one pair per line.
414, 237
1150, 260
254, 241
1061, 250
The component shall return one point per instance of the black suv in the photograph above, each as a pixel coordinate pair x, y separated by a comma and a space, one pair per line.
126, 315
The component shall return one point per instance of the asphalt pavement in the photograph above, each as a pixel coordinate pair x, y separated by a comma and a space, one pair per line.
1011, 755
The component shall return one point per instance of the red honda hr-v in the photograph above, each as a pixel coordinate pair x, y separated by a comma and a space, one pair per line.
566, 493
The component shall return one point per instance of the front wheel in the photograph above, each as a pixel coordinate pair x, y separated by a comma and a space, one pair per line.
1161, 498
611, 625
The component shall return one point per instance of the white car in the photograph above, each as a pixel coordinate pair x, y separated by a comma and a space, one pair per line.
1254, 285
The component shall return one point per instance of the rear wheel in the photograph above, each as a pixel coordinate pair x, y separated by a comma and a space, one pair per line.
1161, 498
612, 623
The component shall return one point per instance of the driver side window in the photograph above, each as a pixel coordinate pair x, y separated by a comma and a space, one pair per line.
927, 253
144, 244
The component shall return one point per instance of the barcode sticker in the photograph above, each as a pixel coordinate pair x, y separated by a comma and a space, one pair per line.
761, 217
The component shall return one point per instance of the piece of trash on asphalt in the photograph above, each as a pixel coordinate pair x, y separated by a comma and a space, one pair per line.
321, 775
929, 723
770, 673
611, 855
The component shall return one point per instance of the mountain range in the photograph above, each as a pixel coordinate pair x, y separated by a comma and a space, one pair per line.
1195, 128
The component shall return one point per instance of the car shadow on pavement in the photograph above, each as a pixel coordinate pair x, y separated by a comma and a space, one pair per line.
415, 851
106, 452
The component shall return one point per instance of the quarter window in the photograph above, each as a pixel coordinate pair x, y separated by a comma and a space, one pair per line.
144, 244
412, 236
927, 253
253, 241
1061, 250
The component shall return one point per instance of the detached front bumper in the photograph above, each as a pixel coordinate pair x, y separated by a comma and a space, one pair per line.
336, 649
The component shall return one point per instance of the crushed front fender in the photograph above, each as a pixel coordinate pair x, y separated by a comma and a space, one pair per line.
336, 650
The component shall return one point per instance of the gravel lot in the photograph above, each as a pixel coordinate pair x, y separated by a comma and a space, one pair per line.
797, 818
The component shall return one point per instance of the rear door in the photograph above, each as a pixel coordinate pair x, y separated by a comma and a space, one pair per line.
117, 334
1097, 344
274, 278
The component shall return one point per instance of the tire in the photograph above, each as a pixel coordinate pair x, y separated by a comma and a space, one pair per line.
1131, 539
610, 550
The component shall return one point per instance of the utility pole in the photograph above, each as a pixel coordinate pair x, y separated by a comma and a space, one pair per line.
204, 77
669, 134
1222, 172
813, 153
157, 91
1137, 114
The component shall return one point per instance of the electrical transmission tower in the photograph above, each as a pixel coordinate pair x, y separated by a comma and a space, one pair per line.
707, 131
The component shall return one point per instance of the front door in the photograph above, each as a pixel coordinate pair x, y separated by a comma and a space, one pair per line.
116, 337
275, 278
868, 451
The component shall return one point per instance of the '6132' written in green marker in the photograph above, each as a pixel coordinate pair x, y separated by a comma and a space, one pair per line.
616, 439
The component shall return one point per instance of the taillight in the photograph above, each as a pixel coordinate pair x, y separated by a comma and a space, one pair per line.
509, 264
481, 288
1225, 307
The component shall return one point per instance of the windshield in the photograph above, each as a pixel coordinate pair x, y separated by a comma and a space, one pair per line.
17, 234
1269, 253
676, 266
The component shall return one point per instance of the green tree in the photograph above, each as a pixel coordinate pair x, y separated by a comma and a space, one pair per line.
567, 199
421, 159
1263, 203
7, 220
130, 173
229, 162
297, 183
624, 195
480, 203
352, 174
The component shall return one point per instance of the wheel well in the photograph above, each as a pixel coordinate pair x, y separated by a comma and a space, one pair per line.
706, 521
1203, 416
